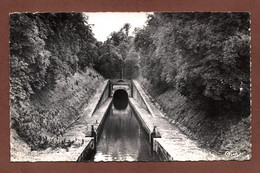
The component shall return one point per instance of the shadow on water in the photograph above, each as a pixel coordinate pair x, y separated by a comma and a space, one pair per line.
120, 99
122, 137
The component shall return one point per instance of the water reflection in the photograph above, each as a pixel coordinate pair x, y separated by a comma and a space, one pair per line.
122, 138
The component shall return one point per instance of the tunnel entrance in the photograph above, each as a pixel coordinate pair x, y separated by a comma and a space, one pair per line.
120, 99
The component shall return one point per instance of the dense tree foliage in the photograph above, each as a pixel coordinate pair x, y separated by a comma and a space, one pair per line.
45, 48
205, 56
117, 56
201, 59
109, 62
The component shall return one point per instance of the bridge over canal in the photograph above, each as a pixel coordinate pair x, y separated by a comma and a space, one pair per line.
163, 139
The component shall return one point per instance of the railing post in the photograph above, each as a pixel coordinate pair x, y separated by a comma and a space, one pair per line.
94, 134
154, 134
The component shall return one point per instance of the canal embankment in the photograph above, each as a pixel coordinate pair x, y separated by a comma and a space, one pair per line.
77, 134
173, 144
226, 135
90, 122
52, 110
168, 142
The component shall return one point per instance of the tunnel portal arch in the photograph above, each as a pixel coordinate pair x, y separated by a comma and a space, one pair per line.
120, 85
120, 92
120, 99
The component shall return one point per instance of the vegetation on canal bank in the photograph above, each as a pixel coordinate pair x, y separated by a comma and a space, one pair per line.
197, 67
225, 135
51, 74
55, 67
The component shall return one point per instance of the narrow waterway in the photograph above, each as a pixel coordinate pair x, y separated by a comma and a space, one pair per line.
122, 138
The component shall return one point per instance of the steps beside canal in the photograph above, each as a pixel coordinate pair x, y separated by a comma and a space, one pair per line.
173, 144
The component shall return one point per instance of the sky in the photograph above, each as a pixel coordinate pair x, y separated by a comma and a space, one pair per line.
107, 22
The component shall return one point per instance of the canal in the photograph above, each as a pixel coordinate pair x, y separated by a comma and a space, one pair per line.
122, 137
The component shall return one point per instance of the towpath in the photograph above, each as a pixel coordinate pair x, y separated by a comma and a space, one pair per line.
173, 142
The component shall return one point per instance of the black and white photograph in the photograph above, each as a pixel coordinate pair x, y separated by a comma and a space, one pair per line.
129, 86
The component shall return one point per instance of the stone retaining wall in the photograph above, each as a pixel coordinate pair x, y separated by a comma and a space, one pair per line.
104, 95
138, 97
88, 152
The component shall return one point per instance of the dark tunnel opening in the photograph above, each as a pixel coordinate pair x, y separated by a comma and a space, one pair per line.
120, 99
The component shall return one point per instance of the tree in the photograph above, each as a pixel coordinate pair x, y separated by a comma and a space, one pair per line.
200, 55
44, 47
113, 54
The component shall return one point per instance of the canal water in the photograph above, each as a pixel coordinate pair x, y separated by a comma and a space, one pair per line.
122, 138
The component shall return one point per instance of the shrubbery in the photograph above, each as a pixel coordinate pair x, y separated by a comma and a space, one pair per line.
46, 51
205, 56
197, 67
